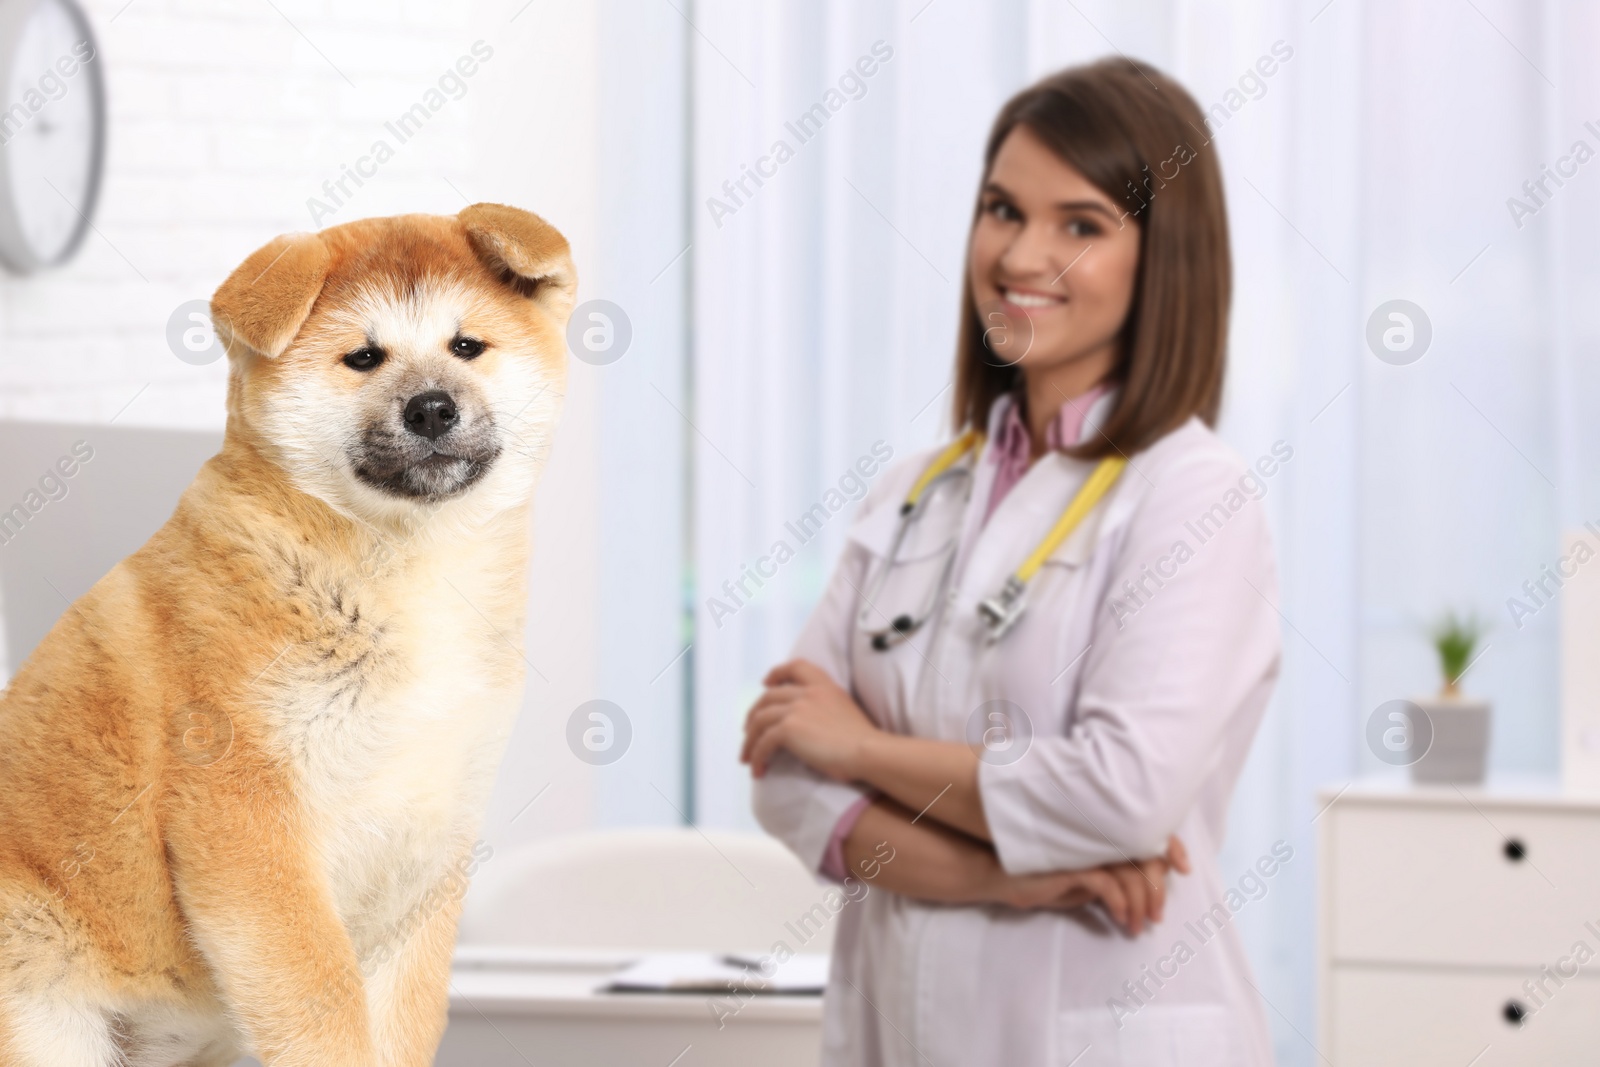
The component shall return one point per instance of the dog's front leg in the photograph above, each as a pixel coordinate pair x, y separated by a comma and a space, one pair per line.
410, 985
263, 917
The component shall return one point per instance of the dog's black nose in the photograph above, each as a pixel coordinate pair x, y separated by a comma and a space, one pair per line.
431, 414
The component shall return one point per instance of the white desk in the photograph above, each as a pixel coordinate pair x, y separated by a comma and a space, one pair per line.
515, 1008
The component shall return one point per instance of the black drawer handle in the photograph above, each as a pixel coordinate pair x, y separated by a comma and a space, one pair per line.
1514, 1013
1516, 851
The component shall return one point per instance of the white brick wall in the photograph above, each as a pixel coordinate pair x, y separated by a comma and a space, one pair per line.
223, 121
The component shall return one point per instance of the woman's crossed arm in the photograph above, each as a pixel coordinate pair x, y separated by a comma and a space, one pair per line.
931, 862
944, 857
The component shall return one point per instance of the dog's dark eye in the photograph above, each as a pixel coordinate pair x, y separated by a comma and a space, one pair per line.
467, 347
364, 358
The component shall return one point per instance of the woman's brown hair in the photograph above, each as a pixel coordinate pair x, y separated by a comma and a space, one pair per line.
1141, 139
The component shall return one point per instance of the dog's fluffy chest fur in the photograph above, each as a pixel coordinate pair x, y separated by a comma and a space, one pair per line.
393, 718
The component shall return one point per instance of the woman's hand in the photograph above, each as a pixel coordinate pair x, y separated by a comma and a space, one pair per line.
1133, 894
804, 711
1143, 885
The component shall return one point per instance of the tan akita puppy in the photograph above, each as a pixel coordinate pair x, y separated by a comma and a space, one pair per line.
240, 778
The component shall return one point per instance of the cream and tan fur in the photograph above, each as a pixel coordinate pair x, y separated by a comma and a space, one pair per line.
240, 777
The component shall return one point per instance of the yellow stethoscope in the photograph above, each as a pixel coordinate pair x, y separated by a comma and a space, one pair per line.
1001, 611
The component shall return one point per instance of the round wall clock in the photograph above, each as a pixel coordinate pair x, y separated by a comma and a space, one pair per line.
52, 131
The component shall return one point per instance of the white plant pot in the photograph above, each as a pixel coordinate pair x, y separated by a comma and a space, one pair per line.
1459, 749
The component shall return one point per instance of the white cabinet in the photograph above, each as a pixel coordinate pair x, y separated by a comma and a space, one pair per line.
1458, 926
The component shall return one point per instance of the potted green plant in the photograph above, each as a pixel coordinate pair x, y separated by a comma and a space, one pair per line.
1459, 747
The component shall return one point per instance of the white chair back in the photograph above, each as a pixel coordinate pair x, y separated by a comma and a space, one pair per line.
651, 889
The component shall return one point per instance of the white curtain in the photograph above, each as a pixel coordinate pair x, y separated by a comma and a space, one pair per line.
1374, 163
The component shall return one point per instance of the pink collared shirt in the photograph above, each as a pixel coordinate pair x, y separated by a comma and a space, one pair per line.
1013, 449
1013, 453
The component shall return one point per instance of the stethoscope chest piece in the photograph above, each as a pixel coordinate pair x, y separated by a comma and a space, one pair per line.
1001, 611
902, 627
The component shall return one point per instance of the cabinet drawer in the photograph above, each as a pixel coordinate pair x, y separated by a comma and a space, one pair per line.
1435, 885
1421, 1018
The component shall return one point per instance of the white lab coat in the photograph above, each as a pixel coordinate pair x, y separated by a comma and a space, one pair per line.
1141, 714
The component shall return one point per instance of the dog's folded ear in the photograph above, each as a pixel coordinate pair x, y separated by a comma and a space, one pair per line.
527, 253
266, 300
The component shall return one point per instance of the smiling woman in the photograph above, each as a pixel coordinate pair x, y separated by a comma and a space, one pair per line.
1059, 248
1037, 211
1038, 765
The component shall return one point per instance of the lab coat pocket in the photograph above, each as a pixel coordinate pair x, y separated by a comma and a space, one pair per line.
1155, 1035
